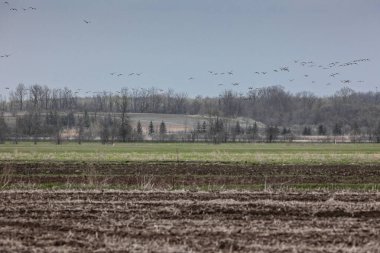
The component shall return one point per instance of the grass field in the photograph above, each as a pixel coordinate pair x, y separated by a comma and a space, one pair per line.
190, 166
297, 154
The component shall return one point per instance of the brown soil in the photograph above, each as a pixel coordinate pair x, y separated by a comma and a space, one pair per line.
173, 175
104, 221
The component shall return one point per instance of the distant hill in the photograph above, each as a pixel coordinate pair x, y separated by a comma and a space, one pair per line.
182, 122
174, 122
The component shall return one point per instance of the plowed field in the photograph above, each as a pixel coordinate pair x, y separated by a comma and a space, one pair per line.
166, 221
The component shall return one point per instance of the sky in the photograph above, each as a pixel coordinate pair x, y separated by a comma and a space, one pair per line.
173, 44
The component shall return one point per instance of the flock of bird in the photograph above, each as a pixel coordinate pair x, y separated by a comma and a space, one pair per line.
284, 69
308, 64
115, 74
30, 8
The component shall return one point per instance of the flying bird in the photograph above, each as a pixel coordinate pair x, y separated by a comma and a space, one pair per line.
348, 64
119, 74
235, 84
284, 69
191, 78
86, 21
230, 72
13, 9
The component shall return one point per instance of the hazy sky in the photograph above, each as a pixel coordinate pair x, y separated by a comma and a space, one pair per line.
169, 41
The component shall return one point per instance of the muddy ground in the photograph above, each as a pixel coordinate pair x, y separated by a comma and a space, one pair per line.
163, 221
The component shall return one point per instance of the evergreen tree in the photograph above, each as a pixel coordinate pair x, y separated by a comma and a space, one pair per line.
272, 133
322, 130
216, 131
151, 128
125, 129
237, 129
139, 131
252, 131
306, 131
255, 129
162, 130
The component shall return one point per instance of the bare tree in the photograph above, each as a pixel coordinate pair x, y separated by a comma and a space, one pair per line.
20, 94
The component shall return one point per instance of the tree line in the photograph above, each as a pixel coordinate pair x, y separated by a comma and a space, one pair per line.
43, 112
